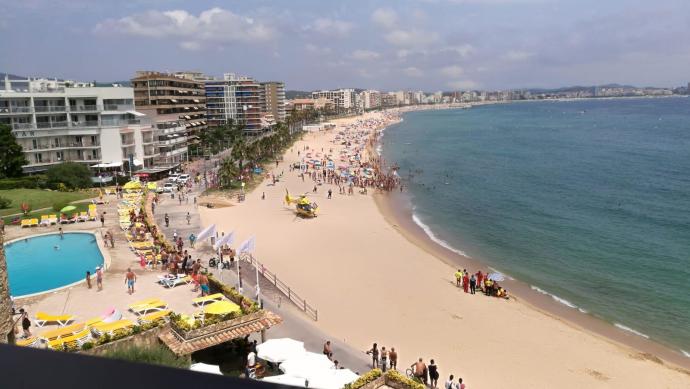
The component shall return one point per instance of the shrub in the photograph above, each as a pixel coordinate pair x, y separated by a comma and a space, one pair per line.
26, 182
5, 202
73, 175
156, 355
364, 379
105, 338
395, 376
87, 346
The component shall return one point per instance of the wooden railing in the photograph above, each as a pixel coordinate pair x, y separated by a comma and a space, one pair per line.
284, 288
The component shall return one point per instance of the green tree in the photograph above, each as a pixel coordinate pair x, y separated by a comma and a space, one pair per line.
11, 155
73, 175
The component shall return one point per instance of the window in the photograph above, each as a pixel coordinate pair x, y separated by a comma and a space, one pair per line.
59, 155
34, 144
80, 154
94, 141
78, 140
94, 154
39, 157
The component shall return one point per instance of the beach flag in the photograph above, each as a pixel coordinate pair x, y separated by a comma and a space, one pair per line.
206, 233
248, 245
226, 239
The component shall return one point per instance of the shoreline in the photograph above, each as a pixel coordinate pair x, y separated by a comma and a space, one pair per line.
397, 212
368, 274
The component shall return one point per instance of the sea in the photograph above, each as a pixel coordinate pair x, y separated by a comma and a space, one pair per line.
587, 201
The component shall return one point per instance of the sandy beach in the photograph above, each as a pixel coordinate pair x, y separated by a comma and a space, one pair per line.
374, 278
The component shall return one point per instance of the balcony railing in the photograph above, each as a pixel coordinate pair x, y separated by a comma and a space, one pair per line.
47, 146
80, 124
44, 125
118, 107
49, 108
83, 108
8, 110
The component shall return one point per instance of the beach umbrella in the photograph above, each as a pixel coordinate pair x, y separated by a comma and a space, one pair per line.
279, 350
206, 368
331, 378
68, 208
132, 185
222, 307
285, 379
496, 276
306, 364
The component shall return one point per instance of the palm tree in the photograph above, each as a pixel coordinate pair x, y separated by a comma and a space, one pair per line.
6, 323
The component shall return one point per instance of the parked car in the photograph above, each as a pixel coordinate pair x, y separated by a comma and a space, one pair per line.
183, 178
173, 177
168, 187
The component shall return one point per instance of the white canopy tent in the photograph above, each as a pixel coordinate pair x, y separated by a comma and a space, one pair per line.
331, 378
306, 364
280, 350
285, 379
206, 368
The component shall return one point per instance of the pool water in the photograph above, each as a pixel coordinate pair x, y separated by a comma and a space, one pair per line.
46, 262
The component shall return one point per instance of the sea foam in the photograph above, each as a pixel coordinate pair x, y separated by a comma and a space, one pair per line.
433, 237
626, 328
557, 299
687, 354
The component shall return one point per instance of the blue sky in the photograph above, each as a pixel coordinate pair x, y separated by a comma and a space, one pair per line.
383, 44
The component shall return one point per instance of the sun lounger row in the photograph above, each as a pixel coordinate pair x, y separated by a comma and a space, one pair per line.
29, 223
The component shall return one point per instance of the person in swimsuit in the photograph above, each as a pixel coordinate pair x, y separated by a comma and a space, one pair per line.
203, 283
433, 374
384, 359
99, 278
394, 358
374, 356
327, 351
419, 370
130, 279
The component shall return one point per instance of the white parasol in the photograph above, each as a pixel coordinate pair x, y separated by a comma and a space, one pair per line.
279, 350
306, 364
206, 368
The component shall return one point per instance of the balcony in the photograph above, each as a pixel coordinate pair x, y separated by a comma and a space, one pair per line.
81, 124
39, 109
118, 107
51, 125
83, 108
66, 145
17, 110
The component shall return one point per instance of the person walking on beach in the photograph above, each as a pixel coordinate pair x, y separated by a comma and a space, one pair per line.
88, 279
130, 279
384, 359
330, 193
449, 384
189, 218
458, 278
102, 219
460, 384
374, 356
433, 374
167, 220
327, 351
203, 284
394, 359
192, 239
99, 278
473, 284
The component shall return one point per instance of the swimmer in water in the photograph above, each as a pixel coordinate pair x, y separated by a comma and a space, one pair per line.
56, 247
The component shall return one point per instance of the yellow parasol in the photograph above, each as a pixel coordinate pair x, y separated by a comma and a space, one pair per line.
132, 185
222, 307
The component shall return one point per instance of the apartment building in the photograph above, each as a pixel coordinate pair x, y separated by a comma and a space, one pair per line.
272, 99
58, 121
371, 99
342, 99
177, 107
234, 99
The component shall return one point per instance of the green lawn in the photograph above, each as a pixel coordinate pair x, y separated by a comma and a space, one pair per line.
39, 198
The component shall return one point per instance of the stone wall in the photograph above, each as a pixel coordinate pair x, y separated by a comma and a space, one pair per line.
6, 322
143, 339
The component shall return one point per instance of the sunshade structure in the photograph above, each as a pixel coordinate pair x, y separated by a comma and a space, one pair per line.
306, 364
285, 379
132, 185
68, 208
222, 307
331, 378
206, 368
279, 350
152, 186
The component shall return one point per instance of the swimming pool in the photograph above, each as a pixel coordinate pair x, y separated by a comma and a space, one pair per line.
45, 262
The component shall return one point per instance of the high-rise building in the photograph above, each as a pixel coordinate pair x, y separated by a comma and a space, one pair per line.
342, 99
177, 105
272, 99
234, 99
371, 99
58, 121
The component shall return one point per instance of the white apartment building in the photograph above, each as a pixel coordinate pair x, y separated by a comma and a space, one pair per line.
343, 99
57, 121
370, 99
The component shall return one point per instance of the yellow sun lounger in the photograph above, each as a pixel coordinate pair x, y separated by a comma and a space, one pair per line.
154, 317
26, 223
28, 342
62, 332
221, 308
148, 308
34, 222
43, 319
72, 341
212, 298
111, 328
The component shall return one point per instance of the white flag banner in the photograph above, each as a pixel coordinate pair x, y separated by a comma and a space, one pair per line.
247, 246
206, 233
225, 239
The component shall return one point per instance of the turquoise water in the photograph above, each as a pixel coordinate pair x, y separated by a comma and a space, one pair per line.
588, 201
47, 262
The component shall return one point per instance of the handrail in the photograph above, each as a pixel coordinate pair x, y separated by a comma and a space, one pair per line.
284, 288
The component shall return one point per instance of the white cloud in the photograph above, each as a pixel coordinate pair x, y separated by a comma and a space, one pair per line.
385, 17
461, 50
411, 38
463, 84
214, 26
413, 72
453, 71
516, 55
312, 48
333, 27
365, 55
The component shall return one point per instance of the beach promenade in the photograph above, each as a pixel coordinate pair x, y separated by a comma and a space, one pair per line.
371, 284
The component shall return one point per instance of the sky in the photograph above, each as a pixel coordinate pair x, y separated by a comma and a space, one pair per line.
425, 45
